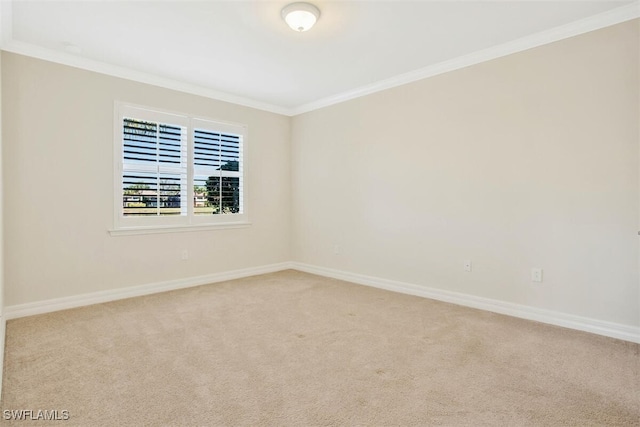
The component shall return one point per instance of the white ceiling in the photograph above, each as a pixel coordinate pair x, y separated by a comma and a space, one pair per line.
243, 51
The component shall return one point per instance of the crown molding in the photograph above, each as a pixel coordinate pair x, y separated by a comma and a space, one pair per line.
75, 61
592, 23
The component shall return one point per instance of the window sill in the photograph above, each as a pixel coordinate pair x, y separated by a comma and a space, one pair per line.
176, 229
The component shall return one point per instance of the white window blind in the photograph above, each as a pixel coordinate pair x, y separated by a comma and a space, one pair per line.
218, 171
154, 178
174, 170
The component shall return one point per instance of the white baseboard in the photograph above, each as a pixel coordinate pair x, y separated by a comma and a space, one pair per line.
47, 306
609, 329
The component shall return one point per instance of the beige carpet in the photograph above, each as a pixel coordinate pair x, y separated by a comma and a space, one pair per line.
295, 349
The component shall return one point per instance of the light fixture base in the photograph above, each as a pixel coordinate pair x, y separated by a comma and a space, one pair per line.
300, 16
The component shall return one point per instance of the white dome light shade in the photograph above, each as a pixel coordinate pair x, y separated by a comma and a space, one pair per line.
300, 16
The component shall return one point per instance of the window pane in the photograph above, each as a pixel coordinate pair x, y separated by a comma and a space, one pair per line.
170, 144
216, 195
139, 141
204, 202
230, 152
230, 195
147, 194
216, 150
146, 142
206, 149
170, 195
216, 156
154, 164
140, 194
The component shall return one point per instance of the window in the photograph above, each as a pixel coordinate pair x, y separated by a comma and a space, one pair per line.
176, 171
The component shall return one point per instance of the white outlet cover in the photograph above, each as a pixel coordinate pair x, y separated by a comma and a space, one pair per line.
536, 274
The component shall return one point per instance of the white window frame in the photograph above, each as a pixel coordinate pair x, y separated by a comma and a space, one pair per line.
124, 225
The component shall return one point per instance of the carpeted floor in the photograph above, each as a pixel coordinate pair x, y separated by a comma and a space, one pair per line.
291, 348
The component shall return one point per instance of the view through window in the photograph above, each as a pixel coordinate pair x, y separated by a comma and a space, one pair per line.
178, 170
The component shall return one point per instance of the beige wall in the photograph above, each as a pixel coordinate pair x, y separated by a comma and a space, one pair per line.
58, 170
527, 161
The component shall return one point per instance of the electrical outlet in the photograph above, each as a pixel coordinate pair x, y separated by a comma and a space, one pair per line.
536, 275
467, 265
185, 254
337, 250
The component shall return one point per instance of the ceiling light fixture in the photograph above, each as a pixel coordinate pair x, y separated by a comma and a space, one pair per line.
300, 16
